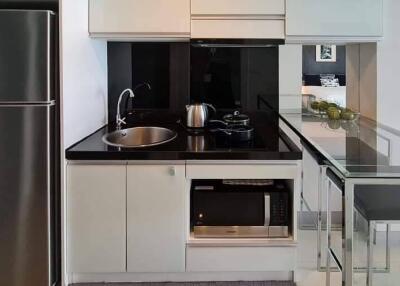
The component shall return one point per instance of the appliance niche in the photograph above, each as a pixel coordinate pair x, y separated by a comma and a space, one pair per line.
240, 209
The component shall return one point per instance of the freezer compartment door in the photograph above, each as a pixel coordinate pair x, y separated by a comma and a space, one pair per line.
27, 195
27, 66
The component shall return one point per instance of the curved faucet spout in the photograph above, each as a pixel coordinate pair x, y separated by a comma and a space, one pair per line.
119, 120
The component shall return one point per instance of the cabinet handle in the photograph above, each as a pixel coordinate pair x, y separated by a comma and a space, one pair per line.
172, 171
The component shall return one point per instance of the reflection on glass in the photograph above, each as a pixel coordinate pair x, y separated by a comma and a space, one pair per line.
234, 77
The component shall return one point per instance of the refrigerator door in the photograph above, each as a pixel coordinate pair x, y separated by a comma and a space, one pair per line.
26, 56
27, 194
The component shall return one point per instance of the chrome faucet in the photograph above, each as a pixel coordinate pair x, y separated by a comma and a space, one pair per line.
131, 92
120, 120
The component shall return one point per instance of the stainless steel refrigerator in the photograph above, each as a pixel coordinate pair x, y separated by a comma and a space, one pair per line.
29, 212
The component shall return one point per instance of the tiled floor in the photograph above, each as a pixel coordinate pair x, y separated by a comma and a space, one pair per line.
307, 275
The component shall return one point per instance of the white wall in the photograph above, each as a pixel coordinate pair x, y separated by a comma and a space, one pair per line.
388, 67
84, 74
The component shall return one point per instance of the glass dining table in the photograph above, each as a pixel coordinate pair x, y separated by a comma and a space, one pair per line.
361, 159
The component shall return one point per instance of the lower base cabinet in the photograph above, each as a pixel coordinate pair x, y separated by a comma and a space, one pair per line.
125, 218
236, 259
155, 212
96, 218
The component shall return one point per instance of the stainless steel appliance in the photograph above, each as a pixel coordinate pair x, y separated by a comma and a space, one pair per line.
29, 213
240, 208
197, 115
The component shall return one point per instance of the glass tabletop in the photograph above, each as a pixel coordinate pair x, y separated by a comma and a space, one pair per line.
361, 148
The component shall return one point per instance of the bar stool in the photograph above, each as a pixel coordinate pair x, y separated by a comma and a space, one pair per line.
377, 204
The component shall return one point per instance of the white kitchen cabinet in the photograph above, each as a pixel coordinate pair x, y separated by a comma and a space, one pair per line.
340, 18
156, 218
237, 19
139, 19
311, 174
238, 7
241, 258
238, 29
96, 218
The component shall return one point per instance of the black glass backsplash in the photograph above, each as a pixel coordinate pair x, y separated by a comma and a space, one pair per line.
233, 78
229, 78
165, 66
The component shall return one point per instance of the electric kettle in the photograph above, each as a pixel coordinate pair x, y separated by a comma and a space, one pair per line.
197, 114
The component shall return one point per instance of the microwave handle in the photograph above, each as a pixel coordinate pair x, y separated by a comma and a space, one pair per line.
267, 209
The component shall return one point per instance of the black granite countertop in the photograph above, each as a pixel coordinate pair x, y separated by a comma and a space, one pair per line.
269, 143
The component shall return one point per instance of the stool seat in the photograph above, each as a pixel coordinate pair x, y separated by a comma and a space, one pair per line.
378, 202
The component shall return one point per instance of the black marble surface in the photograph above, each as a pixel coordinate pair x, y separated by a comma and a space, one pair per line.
269, 142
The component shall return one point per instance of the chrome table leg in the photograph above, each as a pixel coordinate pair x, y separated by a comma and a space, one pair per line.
370, 252
348, 235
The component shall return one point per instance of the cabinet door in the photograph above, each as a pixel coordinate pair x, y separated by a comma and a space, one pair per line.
96, 218
156, 226
238, 29
238, 7
311, 173
358, 18
150, 18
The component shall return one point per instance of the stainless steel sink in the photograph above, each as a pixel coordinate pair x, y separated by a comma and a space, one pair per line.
139, 137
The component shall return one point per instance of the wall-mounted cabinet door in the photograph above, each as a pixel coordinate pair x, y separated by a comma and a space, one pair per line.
339, 18
96, 218
238, 29
238, 7
138, 18
156, 218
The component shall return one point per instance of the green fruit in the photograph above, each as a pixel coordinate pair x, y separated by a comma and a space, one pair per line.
348, 115
334, 124
332, 105
333, 113
315, 105
323, 105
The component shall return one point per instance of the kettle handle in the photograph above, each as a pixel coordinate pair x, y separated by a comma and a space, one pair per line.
212, 108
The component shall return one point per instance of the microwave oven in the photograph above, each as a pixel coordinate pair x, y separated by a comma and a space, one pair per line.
240, 209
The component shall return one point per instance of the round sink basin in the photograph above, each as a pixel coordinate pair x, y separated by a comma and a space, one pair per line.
139, 137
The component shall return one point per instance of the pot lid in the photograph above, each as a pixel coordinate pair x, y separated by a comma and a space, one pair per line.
236, 117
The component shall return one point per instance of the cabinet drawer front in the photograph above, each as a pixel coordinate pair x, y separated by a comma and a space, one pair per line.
238, 29
344, 18
150, 17
238, 7
225, 171
240, 259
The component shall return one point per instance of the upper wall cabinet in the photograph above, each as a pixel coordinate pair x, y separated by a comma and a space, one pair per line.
139, 19
233, 19
238, 7
334, 19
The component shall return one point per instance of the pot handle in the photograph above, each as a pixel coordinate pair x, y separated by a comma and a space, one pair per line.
226, 131
210, 106
218, 121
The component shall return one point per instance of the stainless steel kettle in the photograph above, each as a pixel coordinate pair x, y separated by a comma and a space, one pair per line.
197, 115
